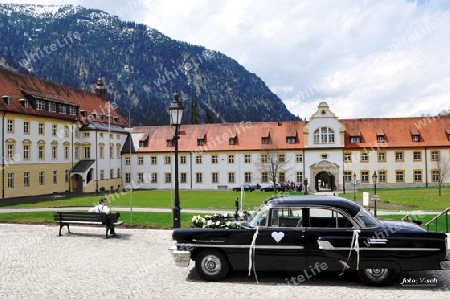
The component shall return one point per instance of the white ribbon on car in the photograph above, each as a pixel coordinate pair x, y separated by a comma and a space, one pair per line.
354, 246
251, 255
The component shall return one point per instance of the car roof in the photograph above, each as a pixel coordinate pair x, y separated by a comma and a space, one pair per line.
352, 208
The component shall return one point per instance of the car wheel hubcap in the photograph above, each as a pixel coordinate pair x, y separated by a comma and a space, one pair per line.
211, 265
377, 274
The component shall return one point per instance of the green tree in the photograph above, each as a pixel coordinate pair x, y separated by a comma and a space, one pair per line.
193, 115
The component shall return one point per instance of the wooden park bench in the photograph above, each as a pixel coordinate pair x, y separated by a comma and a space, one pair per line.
87, 218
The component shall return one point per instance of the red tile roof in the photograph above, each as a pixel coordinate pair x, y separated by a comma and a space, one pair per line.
19, 86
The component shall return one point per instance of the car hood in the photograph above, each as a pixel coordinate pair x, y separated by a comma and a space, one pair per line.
400, 226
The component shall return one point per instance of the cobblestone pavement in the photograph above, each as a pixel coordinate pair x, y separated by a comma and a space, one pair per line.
36, 263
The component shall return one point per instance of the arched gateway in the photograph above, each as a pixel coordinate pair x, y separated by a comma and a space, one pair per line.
324, 176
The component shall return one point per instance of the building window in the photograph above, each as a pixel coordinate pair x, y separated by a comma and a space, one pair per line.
66, 175
264, 158
140, 177
281, 177
111, 152
10, 180
54, 152
26, 152
299, 158
55, 177
417, 176
66, 131
54, 130
380, 139
154, 178
348, 157
41, 129
381, 157
290, 140
26, 179
118, 146
247, 177
183, 159
41, 152
167, 159
231, 177
415, 138
398, 156
153, 160
10, 126
232, 141
417, 156
26, 127
86, 134
265, 140
214, 159
77, 152
41, 178
230, 159
183, 177
167, 177
281, 159
299, 176
247, 159
364, 176
111, 173
215, 177
435, 175
200, 142
140, 160
127, 161
434, 156
347, 176
127, 177
40, 105
198, 177
87, 152
52, 106
364, 157
198, 159
399, 176
169, 143
102, 152
324, 135
118, 172
382, 178
355, 139
66, 152
102, 174
264, 177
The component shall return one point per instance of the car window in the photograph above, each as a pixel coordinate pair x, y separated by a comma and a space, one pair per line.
323, 217
286, 217
260, 218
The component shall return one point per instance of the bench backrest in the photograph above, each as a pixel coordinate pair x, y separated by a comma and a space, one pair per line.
85, 216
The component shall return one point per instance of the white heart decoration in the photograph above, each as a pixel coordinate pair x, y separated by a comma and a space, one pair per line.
278, 236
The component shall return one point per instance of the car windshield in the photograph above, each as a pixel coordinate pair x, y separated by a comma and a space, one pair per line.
259, 218
365, 219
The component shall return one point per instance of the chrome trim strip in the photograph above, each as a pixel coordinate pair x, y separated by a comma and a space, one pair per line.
243, 246
384, 248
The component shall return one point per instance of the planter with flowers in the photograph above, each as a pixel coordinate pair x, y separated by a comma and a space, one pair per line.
226, 220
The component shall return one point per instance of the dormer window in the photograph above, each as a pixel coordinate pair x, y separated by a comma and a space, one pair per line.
415, 138
447, 131
116, 119
169, 142
415, 135
141, 143
380, 139
290, 140
200, 142
324, 135
94, 115
232, 140
264, 140
83, 113
24, 102
355, 139
7, 99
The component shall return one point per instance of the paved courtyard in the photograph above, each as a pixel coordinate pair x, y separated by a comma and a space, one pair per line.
36, 263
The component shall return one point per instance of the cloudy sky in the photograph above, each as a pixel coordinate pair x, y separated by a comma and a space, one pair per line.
366, 58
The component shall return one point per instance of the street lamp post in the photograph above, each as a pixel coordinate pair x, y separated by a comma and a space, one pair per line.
354, 186
374, 180
176, 113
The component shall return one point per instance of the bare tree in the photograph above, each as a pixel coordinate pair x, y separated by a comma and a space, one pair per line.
272, 163
443, 168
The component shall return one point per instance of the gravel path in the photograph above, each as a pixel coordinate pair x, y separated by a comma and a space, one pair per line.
36, 263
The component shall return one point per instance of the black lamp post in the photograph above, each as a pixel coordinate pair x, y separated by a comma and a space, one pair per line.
374, 180
176, 114
354, 186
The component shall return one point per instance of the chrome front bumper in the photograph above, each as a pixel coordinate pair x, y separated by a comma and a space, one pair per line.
445, 265
181, 257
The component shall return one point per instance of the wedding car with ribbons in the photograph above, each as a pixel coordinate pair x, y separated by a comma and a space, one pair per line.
310, 233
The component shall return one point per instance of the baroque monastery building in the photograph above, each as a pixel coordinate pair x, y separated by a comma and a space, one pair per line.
59, 139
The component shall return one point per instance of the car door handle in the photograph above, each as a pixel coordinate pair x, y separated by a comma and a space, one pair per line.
377, 241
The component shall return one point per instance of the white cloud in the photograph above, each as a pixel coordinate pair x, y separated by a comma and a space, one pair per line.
369, 58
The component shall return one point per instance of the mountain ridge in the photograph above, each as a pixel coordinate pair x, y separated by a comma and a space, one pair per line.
141, 67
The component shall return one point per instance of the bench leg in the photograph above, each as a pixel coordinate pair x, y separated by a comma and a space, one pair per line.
61, 225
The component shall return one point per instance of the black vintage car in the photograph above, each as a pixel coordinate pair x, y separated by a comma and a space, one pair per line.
246, 187
313, 233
